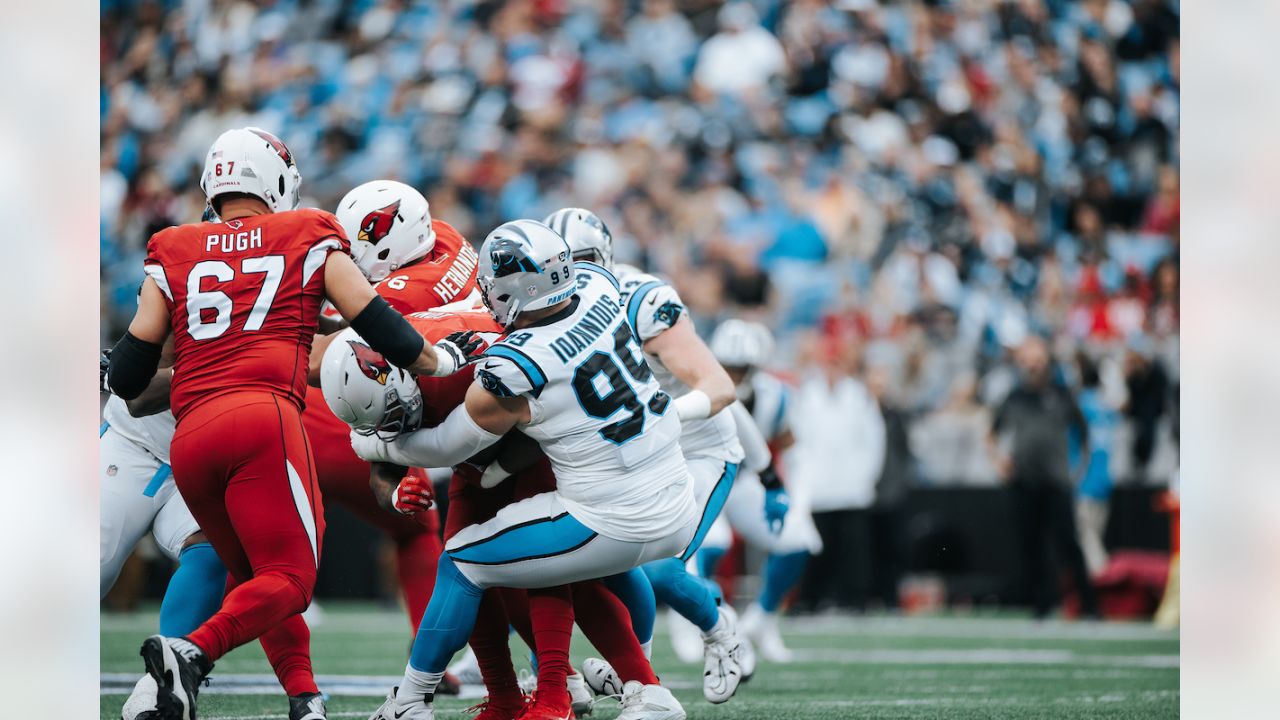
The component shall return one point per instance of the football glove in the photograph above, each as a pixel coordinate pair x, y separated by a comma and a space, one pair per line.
776, 504
413, 495
104, 362
457, 350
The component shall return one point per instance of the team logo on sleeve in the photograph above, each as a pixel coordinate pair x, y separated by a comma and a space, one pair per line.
377, 224
668, 313
371, 363
493, 383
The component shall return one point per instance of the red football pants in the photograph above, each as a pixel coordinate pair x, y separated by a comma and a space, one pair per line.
344, 480
243, 464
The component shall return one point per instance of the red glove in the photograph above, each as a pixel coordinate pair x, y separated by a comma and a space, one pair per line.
413, 495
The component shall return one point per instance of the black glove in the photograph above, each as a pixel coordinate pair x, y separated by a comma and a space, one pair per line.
104, 361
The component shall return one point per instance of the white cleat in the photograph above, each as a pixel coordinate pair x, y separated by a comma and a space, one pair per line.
746, 651
761, 628
722, 659
601, 678
467, 669
404, 709
686, 639
649, 702
142, 699
580, 700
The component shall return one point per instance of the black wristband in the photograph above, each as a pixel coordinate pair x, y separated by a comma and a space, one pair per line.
769, 478
132, 365
389, 333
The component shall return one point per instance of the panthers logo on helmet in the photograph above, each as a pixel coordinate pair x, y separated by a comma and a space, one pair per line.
371, 363
509, 257
377, 224
277, 144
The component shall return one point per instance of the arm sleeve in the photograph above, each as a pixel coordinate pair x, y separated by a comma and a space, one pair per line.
447, 444
507, 372
753, 443
652, 308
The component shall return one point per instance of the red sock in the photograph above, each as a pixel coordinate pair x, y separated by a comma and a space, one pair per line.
493, 654
416, 560
249, 611
551, 612
288, 647
516, 602
607, 625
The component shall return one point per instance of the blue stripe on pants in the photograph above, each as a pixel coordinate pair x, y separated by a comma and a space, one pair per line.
541, 538
162, 473
711, 511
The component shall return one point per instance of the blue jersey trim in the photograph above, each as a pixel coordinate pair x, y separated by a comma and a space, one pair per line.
162, 474
599, 270
637, 297
103, 430
534, 540
537, 379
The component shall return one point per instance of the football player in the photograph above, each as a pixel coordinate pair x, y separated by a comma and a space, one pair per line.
686, 369
242, 300
743, 348
137, 494
569, 375
371, 397
417, 263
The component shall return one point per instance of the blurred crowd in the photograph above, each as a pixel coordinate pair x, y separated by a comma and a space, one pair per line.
906, 191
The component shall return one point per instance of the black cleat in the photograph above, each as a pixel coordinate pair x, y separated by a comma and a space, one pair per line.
307, 706
178, 668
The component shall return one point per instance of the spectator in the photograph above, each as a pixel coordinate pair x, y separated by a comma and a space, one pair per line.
950, 442
887, 514
739, 60
838, 458
1030, 444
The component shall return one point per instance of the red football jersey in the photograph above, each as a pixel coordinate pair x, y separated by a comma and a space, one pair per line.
440, 395
447, 274
244, 299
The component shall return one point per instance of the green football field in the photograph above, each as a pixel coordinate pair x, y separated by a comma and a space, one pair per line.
876, 667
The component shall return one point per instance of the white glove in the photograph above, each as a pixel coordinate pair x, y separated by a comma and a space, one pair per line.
370, 447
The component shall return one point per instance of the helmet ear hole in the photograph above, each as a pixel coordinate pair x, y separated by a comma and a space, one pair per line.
282, 186
385, 252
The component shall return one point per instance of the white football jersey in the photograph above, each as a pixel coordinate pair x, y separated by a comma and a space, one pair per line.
652, 306
768, 403
598, 413
153, 432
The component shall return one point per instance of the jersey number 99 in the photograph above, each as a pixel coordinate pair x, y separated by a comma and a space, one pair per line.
621, 395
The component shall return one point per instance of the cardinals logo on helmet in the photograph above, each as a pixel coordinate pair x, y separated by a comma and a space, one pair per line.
371, 363
275, 143
377, 224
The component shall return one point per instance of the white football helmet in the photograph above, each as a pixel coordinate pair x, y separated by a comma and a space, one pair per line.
366, 391
524, 265
742, 344
588, 237
388, 224
254, 162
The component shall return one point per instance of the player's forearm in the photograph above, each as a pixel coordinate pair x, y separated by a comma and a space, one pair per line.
155, 399
446, 445
754, 446
132, 365
383, 480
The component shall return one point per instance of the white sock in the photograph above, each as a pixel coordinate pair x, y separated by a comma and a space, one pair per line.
418, 683
722, 624
647, 647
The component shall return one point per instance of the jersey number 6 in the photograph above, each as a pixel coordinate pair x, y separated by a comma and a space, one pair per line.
620, 394
270, 267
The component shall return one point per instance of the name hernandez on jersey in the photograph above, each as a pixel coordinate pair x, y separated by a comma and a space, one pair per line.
244, 300
597, 411
446, 275
652, 307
